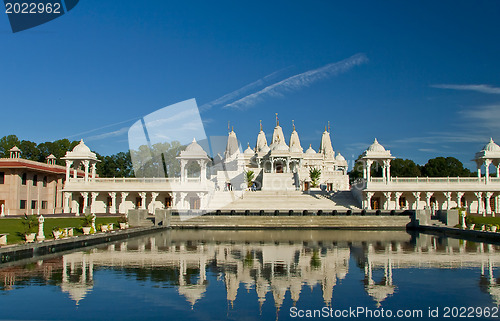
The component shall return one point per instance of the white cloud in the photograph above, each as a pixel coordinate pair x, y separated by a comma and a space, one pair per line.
483, 116
299, 81
486, 89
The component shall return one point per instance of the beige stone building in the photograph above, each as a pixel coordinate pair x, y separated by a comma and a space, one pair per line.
30, 187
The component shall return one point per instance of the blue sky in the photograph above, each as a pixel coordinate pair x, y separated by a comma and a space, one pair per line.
420, 76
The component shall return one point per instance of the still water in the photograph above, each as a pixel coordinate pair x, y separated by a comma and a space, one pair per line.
259, 275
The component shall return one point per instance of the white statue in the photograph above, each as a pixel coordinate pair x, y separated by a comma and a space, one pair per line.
40, 237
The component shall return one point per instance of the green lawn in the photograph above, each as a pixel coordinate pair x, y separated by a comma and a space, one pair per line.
14, 227
484, 220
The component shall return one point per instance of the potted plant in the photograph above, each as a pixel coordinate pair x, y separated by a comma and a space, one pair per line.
102, 227
123, 221
30, 226
57, 232
493, 227
110, 226
469, 223
249, 176
87, 224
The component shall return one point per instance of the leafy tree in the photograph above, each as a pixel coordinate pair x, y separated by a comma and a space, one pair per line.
146, 166
404, 168
29, 150
444, 167
6, 143
58, 148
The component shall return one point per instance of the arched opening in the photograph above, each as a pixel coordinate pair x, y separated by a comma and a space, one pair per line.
194, 203
193, 170
279, 166
375, 203
168, 201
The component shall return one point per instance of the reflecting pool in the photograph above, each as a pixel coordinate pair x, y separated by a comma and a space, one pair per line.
254, 275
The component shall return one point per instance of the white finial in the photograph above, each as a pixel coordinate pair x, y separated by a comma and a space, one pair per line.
194, 140
375, 141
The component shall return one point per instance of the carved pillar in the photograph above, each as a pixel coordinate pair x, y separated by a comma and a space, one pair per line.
92, 205
93, 170
448, 199
488, 196
388, 169
122, 204
143, 200
183, 170
487, 164
85, 196
112, 210
428, 196
154, 195
368, 169
398, 196
417, 200
369, 196
86, 169
68, 169
479, 196
201, 196
67, 196
182, 200
459, 198
203, 171
387, 196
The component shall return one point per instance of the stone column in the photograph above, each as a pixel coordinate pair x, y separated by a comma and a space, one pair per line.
143, 200
479, 196
92, 205
93, 170
201, 196
428, 196
369, 196
459, 198
448, 199
368, 170
387, 196
488, 196
398, 196
85, 196
183, 172
68, 169
417, 200
154, 195
122, 208
487, 164
112, 210
388, 169
182, 200
203, 171
86, 168
498, 171
67, 196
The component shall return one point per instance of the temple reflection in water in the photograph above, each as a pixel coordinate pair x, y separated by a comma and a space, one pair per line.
263, 261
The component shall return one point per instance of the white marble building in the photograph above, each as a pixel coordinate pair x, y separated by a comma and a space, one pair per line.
479, 194
216, 183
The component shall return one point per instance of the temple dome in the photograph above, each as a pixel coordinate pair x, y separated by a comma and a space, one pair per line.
340, 158
194, 147
376, 147
248, 151
81, 148
310, 150
491, 146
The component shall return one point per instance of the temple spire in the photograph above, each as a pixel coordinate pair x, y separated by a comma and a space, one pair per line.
260, 121
277, 120
293, 124
328, 126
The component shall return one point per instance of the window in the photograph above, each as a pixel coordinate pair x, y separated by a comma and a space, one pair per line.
22, 204
33, 205
35, 180
44, 205
2, 177
45, 181
23, 179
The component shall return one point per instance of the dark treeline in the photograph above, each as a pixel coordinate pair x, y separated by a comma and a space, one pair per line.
435, 167
120, 164
117, 165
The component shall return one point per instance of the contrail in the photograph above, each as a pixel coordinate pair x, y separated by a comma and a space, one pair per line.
486, 89
299, 81
235, 94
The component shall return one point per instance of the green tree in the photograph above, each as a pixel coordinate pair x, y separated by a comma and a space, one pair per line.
404, 168
444, 167
6, 143
58, 148
29, 150
314, 174
249, 176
